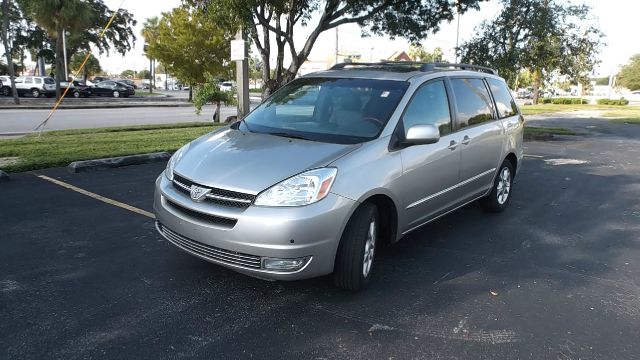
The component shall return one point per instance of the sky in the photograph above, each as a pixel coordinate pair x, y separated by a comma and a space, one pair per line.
616, 18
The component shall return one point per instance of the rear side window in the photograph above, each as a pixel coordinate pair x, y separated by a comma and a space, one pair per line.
28, 81
505, 104
49, 81
429, 106
473, 104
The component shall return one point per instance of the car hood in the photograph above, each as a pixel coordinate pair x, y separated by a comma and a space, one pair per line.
252, 162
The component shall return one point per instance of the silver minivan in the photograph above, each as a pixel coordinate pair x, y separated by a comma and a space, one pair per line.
335, 163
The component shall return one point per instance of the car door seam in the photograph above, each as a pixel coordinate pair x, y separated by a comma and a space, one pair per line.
442, 192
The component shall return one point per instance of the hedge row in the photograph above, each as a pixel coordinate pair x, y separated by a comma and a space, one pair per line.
613, 102
564, 101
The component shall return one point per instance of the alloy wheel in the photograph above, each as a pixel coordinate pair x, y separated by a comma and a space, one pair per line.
504, 186
369, 248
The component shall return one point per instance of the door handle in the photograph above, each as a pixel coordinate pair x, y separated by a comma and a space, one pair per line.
453, 145
466, 140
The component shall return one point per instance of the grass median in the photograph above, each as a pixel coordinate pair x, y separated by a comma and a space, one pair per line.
543, 109
545, 133
59, 148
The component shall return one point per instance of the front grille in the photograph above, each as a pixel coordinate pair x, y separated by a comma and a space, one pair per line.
217, 196
213, 219
210, 252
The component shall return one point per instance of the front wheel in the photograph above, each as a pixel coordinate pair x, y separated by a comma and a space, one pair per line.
356, 252
116, 94
76, 94
500, 194
35, 93
6, 91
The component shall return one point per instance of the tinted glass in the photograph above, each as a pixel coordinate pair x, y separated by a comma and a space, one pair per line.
49, 81
429, 105
28, 81
328, 109
505, 104
473, 104
38, 80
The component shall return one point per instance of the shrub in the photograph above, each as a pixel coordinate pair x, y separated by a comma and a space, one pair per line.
564, 101
613, 102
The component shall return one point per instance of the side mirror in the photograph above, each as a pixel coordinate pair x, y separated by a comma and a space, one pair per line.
421, 135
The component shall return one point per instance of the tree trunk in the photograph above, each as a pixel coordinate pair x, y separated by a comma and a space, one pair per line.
59, 60
7, 50
190, 93
216, 114
537, 84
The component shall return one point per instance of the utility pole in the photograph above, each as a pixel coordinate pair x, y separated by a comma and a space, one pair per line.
458, 33
240, 54
336, 44
64, 49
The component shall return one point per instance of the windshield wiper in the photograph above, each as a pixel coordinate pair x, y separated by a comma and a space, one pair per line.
288, 135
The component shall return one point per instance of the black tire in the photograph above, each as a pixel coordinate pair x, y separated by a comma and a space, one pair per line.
6, 91
115, 94
493, 202
35, 93
76, 94
349, 272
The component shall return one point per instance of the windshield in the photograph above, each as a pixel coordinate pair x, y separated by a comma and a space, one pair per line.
345, 111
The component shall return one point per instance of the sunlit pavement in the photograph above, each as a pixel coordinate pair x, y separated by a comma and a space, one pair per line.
555, 276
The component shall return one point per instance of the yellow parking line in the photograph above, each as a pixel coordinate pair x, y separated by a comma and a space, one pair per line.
98, 197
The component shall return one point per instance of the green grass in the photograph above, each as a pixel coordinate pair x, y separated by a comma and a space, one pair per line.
553, 108
624, 116
534, 132
140, 92
59, 148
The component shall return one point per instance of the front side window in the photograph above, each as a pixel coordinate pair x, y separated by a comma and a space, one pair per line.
429, 106
473, 104
335, 110
38, 80
505, 104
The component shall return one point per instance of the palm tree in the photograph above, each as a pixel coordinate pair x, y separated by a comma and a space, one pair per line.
7, 49
56, 17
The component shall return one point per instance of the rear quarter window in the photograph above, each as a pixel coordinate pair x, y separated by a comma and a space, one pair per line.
505, 103
473, 103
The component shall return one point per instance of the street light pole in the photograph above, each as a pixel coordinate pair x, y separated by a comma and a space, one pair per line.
64, 49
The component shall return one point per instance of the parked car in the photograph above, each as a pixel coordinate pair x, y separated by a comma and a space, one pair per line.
299, 189
226, 86
98, 79
36, 86
129, 82
80, 89
633, 96
112, 88
5, 88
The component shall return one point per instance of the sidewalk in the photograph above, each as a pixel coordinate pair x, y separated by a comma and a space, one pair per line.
94, 102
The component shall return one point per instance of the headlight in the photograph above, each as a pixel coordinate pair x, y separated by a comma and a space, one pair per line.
303, 189
174, 161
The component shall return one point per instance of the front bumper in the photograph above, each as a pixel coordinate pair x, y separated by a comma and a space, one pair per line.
248, 235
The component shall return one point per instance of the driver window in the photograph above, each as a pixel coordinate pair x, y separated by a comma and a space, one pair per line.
429, 106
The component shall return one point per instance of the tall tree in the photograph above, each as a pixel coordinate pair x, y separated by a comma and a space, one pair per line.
188, 44
629, 75
84, 20
91, 67
6, 18
419, 53
56, 16
543, 36
278, 21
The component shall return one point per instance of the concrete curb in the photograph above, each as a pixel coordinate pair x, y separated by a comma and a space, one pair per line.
3, 176
108, 163
100, 106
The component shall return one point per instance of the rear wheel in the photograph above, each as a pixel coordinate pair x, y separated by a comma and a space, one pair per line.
116, 94
356, 252
6, 91
500, 194
76, 94
35, 93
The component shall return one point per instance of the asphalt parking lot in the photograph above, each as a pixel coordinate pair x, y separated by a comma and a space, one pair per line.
556, 276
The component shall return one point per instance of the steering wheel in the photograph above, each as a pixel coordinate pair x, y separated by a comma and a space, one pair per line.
373, 120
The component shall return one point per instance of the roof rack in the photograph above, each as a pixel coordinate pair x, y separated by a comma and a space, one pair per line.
424, 67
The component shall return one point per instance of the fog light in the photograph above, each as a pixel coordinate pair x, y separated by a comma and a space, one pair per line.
276, 264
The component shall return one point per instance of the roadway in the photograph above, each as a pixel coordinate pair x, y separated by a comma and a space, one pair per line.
24, 121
